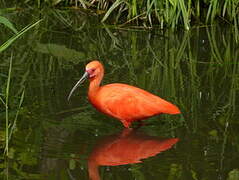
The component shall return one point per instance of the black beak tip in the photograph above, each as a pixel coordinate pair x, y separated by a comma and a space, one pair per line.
85, 75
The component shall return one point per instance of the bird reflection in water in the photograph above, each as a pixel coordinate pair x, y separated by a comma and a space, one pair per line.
127, 147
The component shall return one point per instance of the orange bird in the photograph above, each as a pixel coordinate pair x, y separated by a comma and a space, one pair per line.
121, 101
127, 147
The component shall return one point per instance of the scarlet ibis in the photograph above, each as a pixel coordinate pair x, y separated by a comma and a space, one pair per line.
127, 147
121, 101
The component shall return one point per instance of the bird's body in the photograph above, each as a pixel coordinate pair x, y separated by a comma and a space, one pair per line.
124, 102
128, 103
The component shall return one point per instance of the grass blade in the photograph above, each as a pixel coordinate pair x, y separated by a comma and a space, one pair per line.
6, 107
15, 119
115, 5
20, 33
185, 14
8, 24
2, 101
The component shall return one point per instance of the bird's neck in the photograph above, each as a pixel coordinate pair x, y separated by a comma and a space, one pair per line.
94, 86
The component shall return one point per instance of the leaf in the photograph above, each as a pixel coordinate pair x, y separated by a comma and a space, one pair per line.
2, 137
184, 14
2, 101
8, 24
115, 5
175, 172
16, 116
11, 153
16, 36
27, 158
213, 133
60, 51
55, 2
72, 164
173, 2
233, 175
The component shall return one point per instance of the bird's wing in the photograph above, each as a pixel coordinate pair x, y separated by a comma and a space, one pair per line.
129, 103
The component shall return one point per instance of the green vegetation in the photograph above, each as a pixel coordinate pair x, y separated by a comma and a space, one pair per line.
5, 96
16, 36
50, 139
149, 13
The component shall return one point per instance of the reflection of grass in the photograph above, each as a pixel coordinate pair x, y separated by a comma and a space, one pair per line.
10, 126
6, 106
17, 35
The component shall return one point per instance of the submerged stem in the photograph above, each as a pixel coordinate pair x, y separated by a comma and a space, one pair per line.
6, 106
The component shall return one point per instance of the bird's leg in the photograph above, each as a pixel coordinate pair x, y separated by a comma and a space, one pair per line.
126, 132
126, 123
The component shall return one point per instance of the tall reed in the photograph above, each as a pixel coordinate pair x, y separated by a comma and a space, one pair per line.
6, 107
6, 44
164, 13
10, 126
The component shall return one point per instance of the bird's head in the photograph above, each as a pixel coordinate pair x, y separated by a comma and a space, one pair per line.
93, 70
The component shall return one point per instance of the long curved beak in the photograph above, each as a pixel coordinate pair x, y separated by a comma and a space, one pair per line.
82, 79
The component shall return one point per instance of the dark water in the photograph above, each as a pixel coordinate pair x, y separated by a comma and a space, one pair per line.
197, 70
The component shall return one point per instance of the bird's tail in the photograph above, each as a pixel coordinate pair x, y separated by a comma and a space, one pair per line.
169, 108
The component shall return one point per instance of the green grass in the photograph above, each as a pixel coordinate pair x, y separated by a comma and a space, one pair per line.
10, 125
149, 13
7, 125
172, 65
5, 45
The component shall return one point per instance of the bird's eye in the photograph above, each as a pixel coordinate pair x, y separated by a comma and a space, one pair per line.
91, 71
